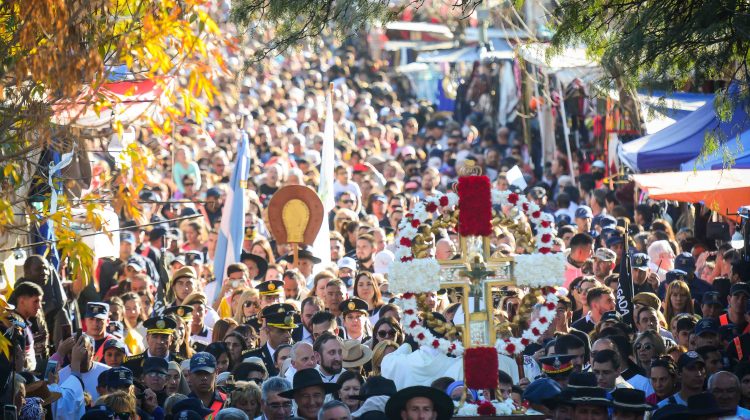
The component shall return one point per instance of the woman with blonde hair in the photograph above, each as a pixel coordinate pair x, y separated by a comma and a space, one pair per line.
120, 402
246, 397
246, 306
678, 300
381, 349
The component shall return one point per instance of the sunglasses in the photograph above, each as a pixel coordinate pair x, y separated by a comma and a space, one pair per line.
348, 201
384, 334
250, 303
646, 347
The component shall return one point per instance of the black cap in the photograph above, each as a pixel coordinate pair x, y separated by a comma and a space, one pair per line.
689, 359
183, 311
192, 404
157, 233
281, 315
740, 287
353, 304
375, 386
160, 325
155, 364
712, 298
707, 325
119, 377
270, 287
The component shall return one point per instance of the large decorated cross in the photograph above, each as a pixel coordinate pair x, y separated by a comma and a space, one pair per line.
415, 271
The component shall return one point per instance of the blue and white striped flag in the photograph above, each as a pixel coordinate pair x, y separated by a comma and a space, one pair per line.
232, 228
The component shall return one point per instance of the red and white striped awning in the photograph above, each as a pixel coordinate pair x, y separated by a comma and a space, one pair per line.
132, 99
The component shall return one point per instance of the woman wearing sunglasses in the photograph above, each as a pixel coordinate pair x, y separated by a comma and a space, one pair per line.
246, 307
387, 328
648, 346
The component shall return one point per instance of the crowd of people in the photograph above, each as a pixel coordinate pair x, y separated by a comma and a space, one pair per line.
158, 334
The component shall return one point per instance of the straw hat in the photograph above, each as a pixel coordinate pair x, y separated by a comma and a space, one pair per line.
356, 354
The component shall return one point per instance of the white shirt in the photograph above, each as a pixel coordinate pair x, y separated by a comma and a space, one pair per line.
90, 379
328, 378
350, 187
71, 405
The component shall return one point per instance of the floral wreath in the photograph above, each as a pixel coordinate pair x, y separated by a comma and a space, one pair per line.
410, 275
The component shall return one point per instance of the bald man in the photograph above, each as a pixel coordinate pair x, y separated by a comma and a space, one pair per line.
302, 357
444, 249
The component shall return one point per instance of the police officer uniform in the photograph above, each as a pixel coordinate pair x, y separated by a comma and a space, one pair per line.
266, 288
156, 325
279, 315
354, 304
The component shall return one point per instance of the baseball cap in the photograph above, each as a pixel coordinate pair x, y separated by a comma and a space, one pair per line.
119, 377
562, 219
411, 185
647, 299
639, 261
584, 212
605, 254
156, 233
611, 316
213, 192
98, 310
347, 262
202, 362
614, 239
685, 262
673, 275
537, 193
689, 359
380, 197
136, 263
128, 237
740, 287
598, 164
712, 298
707, 325
115, 344
607, 221
155, 364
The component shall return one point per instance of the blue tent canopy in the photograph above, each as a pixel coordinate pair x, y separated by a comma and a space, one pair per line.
739, 148
667, 149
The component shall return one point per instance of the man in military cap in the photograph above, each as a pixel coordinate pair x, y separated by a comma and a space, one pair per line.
96, 319
159, 338
604, 263
200, 334
643, 279
557, 367
354, 313
271, 292
279, 321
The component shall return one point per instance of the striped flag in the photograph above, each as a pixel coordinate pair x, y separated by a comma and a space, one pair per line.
232, 228
322, 244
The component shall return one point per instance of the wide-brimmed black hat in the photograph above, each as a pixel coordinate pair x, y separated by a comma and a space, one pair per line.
305, 253
306, 378
630, 400
442, 402
587, 395
375, 386
259, 261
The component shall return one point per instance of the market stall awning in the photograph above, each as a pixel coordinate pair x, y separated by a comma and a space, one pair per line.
737, 149
667, 149
501, 50
132, 98
661, 109
724, 191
